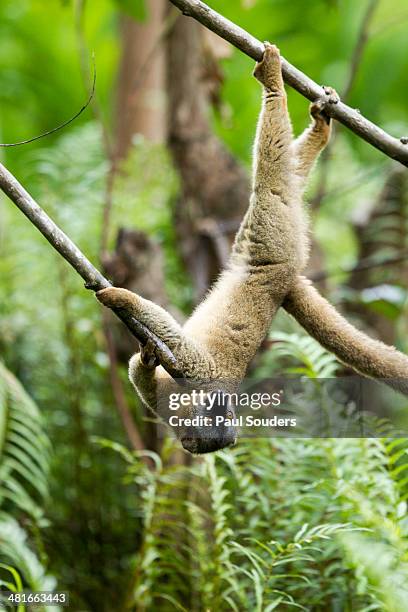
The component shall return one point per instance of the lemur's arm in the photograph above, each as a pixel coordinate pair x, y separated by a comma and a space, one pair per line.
321, 320
311, 142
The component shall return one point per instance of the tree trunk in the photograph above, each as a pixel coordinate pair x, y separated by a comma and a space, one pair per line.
141, 96
214, 187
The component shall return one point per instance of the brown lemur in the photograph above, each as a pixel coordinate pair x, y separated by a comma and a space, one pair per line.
270, 252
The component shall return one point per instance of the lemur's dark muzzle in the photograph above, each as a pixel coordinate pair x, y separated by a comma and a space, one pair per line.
218, 430
201, 445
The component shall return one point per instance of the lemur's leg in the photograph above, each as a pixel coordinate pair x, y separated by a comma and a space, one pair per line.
153, 316
187, 353
308, 145
272, 155
269, 233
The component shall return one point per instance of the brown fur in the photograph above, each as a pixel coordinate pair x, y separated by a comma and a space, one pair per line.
322, 321
269, 254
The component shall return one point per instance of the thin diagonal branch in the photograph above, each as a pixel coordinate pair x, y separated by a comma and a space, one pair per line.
129, 425
350, 117
369, 263
94, 280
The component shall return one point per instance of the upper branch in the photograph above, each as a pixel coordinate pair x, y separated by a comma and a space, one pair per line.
93, 278
350, 117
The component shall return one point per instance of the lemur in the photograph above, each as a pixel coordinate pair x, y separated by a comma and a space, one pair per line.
269, 254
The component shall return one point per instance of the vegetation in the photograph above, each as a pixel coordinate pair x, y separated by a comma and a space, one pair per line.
310, 523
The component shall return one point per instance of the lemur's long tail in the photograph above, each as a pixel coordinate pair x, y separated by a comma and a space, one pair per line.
321, 320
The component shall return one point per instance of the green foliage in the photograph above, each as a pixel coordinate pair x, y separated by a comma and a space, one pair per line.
24, 449
276, 523
315, 361
272, 524
15, 549
24, 462
15, 586
397, 453
50, 335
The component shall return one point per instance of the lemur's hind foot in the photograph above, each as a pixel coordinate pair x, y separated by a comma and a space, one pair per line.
319, 106
116, 297
269, 70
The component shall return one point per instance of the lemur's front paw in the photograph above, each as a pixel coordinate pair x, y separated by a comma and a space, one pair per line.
318, 107
148, 356
269, 70
115, 297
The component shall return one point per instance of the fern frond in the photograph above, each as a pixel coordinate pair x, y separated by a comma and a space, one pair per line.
24, 449
15, 550
315, 361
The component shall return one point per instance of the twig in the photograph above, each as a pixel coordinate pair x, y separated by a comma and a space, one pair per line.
356, 182
83, 57
358, 52
59, 127
348, 116
94, 280
364, 264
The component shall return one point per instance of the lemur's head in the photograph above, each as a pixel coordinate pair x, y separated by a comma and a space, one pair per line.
216, 428
202, 416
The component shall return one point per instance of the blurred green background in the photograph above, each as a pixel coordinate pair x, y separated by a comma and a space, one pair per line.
315, 524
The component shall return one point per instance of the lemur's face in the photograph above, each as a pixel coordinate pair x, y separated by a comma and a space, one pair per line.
217, 431
202, 418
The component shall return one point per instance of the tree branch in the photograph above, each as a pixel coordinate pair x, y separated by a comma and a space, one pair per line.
94, 280
350, 117
368, 263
